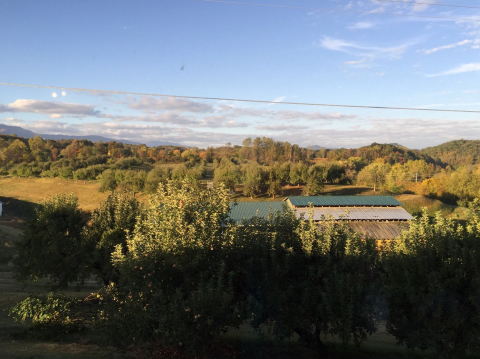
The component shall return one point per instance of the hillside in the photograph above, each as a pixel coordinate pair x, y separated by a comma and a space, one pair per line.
21, 132
456, 153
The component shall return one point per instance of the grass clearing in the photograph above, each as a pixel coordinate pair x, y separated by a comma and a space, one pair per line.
415, 203
329, 190
34, 191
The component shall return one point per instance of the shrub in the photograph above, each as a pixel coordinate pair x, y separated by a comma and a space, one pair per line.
110, 225
40, 311
54, 246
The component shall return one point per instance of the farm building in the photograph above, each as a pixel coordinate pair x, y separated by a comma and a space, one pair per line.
380, 217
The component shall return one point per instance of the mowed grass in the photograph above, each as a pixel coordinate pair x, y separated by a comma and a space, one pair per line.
329, 190
415, 203
35, 190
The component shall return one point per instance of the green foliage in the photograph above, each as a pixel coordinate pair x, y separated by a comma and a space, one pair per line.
273, 182
374, 175
110, 225
156, 176
89, 173
173, 283
312, 281
298, 173
227, 174
53, 245
182, 172
316, 177
432, 286
252, 179
40, 311
455, 153
108, 181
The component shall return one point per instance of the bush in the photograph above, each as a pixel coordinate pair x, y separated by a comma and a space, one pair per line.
40, 311
155, 177
110, 225
54, 246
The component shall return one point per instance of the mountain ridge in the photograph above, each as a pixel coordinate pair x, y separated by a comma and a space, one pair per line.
21, 132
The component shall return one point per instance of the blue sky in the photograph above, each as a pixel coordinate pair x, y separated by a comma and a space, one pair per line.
197, 48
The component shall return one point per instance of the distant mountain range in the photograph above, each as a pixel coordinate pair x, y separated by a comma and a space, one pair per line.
21, 132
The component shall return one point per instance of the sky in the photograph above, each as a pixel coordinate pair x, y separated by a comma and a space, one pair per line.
221, 50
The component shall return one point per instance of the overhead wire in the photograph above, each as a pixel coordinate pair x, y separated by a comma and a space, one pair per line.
340, 11
116, 92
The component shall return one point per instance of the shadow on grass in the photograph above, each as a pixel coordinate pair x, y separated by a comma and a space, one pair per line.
17, 208
349, 191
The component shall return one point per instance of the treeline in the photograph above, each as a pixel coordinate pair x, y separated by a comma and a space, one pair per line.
81, 159
180, 272
450, 186
456, 153
258, 179
260, 166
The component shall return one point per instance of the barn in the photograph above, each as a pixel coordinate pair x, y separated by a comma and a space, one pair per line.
379, 217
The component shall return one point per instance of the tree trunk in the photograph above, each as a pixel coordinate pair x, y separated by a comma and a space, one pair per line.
313, 341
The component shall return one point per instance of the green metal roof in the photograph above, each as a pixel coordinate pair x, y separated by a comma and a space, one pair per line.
247, 210
330, 201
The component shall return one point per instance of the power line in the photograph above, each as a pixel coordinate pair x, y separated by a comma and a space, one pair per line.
430, 4
342, 11
239, 100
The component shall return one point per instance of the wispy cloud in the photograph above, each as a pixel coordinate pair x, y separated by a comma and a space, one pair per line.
367, 51
459, 70
281, 128
362, 25
422, 5
280, 99
149, 104
11, 119
170, 117
450, 46
355, 62
50, 107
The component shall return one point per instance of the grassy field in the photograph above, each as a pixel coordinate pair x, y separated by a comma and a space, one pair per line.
329, 190
22, 195
414, 203
34, 190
